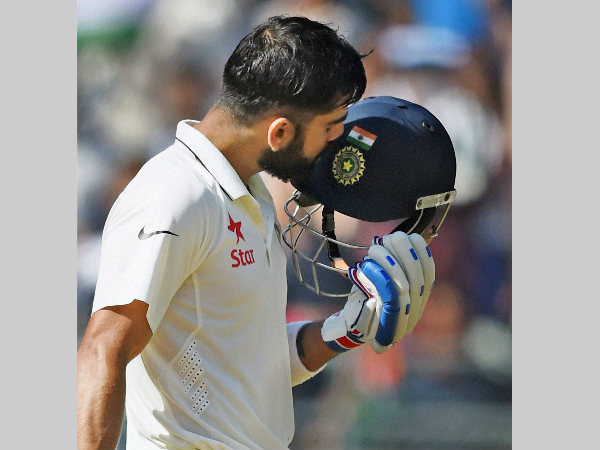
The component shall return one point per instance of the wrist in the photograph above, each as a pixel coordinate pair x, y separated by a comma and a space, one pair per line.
300, 340
315, 351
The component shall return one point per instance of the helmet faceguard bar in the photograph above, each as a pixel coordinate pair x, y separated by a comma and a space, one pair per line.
433, 201
299, 221
425, 211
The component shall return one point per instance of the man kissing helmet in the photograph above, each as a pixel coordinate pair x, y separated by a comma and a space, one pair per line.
394, 161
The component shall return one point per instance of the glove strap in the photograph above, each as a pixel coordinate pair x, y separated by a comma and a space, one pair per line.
345, 343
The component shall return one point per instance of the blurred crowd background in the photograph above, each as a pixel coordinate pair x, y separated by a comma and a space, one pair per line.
144, 65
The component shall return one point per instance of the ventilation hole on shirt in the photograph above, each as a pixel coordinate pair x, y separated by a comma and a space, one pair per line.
183, 358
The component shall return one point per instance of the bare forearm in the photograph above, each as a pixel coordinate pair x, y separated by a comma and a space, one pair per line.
114, 336
312, 350
100, 403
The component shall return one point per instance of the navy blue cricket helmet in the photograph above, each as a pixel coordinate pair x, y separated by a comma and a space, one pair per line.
394, 160
391, 153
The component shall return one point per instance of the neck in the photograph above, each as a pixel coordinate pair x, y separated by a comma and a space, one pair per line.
241, 145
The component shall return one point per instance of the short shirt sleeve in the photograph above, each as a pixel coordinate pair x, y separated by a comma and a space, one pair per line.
151, 243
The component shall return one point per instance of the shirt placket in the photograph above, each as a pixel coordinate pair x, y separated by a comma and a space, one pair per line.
263, 219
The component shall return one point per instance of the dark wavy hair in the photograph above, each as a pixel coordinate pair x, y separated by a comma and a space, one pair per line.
291, 63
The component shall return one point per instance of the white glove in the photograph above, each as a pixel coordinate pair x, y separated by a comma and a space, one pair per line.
370, 314
409, 263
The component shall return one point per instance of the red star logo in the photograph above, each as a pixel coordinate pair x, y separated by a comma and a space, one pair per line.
236, 227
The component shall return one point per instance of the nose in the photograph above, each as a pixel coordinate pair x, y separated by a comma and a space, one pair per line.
335, 131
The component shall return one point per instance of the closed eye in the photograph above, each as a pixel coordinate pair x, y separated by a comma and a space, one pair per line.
340, 120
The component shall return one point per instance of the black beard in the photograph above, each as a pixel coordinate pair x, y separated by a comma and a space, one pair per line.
288, 162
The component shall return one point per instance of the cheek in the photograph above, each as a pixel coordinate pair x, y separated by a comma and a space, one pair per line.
314, 144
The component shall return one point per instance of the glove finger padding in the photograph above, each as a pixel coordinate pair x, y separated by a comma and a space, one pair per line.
400, 247
382, 257
408, 261
385, 294
426, 258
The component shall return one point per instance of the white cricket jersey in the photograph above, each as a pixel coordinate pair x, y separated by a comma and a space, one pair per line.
188, 238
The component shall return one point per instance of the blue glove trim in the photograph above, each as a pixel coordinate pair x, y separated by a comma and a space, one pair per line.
389, 298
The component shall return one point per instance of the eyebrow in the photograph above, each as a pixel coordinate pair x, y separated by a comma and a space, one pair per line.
341, 119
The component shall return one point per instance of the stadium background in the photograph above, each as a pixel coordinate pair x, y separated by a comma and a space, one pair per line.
143, 65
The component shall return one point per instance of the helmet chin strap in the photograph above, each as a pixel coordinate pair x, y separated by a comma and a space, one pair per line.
333, 250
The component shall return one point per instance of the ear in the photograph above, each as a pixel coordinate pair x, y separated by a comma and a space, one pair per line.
280, 133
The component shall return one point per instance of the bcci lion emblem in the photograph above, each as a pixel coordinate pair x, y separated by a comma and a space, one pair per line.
348, 165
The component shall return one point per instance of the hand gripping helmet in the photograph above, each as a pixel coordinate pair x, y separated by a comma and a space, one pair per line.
393, 161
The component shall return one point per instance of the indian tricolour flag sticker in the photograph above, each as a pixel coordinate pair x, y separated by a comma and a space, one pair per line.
361, 138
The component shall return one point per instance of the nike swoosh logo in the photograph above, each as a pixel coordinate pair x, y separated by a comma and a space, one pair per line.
143, 235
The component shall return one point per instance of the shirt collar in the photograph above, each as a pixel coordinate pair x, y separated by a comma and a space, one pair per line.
211, 158
259, 189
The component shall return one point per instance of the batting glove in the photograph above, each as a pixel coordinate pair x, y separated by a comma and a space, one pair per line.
407, 260
370, 313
